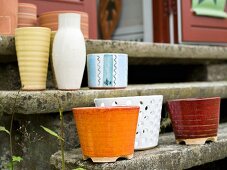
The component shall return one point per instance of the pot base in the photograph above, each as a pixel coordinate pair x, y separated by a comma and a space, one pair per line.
197, 141
104, 88
106, 159
146, 148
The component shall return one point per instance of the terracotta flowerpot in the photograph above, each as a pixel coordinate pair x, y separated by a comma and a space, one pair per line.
50, 20
195, 121
8, 16
27, 15
106, 133
107, 70
148, 126
32, 47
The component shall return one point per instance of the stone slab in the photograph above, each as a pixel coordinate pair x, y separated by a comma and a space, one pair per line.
33, 102
167, 155
140, 53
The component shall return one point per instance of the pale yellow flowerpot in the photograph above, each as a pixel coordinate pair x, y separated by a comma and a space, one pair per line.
32, 46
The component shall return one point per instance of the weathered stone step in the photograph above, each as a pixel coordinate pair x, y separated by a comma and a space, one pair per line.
33, 102
140, 53
167, 155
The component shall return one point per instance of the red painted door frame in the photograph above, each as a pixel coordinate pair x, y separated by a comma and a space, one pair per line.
161, 10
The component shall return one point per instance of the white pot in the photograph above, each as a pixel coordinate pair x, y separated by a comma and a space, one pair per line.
69, 52
148, 126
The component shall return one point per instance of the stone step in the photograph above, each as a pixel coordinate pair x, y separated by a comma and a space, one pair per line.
33, 102
140, 53
167, 155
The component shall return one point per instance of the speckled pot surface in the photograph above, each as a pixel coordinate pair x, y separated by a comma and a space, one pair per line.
195, 121
148, 126
106, 133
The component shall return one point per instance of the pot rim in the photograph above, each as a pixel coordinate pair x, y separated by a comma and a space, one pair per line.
194, 99
61, 11
106, 108
94, 54
35, 28
29, 5
129, 97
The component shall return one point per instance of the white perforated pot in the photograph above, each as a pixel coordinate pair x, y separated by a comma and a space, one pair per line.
148, 126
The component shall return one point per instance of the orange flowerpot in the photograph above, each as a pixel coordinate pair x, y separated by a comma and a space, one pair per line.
8, 16
106, 133
27, 15
50, 20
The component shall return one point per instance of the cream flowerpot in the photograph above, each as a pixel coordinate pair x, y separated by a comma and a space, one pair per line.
32, 46
148, 126
69, 52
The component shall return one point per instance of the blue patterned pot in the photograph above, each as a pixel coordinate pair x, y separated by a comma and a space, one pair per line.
107, 70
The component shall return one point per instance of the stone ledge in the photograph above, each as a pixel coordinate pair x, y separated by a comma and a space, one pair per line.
140, 53
167, 155
32, 102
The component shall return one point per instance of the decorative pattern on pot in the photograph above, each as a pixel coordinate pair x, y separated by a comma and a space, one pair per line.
106, 133
107, 70
27, 15
69, 52
148, 126
32, 46
50, 20
8, 16
195, 121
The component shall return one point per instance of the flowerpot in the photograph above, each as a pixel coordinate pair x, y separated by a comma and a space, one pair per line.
27, 15
147, 133
106, 133
69, 52
8, 16
32, 47
107, 70
50, 20
195, 121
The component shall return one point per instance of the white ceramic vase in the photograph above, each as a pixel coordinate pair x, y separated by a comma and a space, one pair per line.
69, 52
148, 126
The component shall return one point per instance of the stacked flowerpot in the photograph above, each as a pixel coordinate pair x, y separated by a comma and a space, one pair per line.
50, 20
27, 15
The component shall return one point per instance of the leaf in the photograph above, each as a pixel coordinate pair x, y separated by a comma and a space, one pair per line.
52, 133
17, 159
4, 130
79, 169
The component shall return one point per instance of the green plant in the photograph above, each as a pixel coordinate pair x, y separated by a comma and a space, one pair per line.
14, 159
59, 137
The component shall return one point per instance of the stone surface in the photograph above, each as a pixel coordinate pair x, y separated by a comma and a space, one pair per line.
32, 143
217, 72
167, 155
139, 52
33, 102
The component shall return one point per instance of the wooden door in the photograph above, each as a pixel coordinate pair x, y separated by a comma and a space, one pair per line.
201, 28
